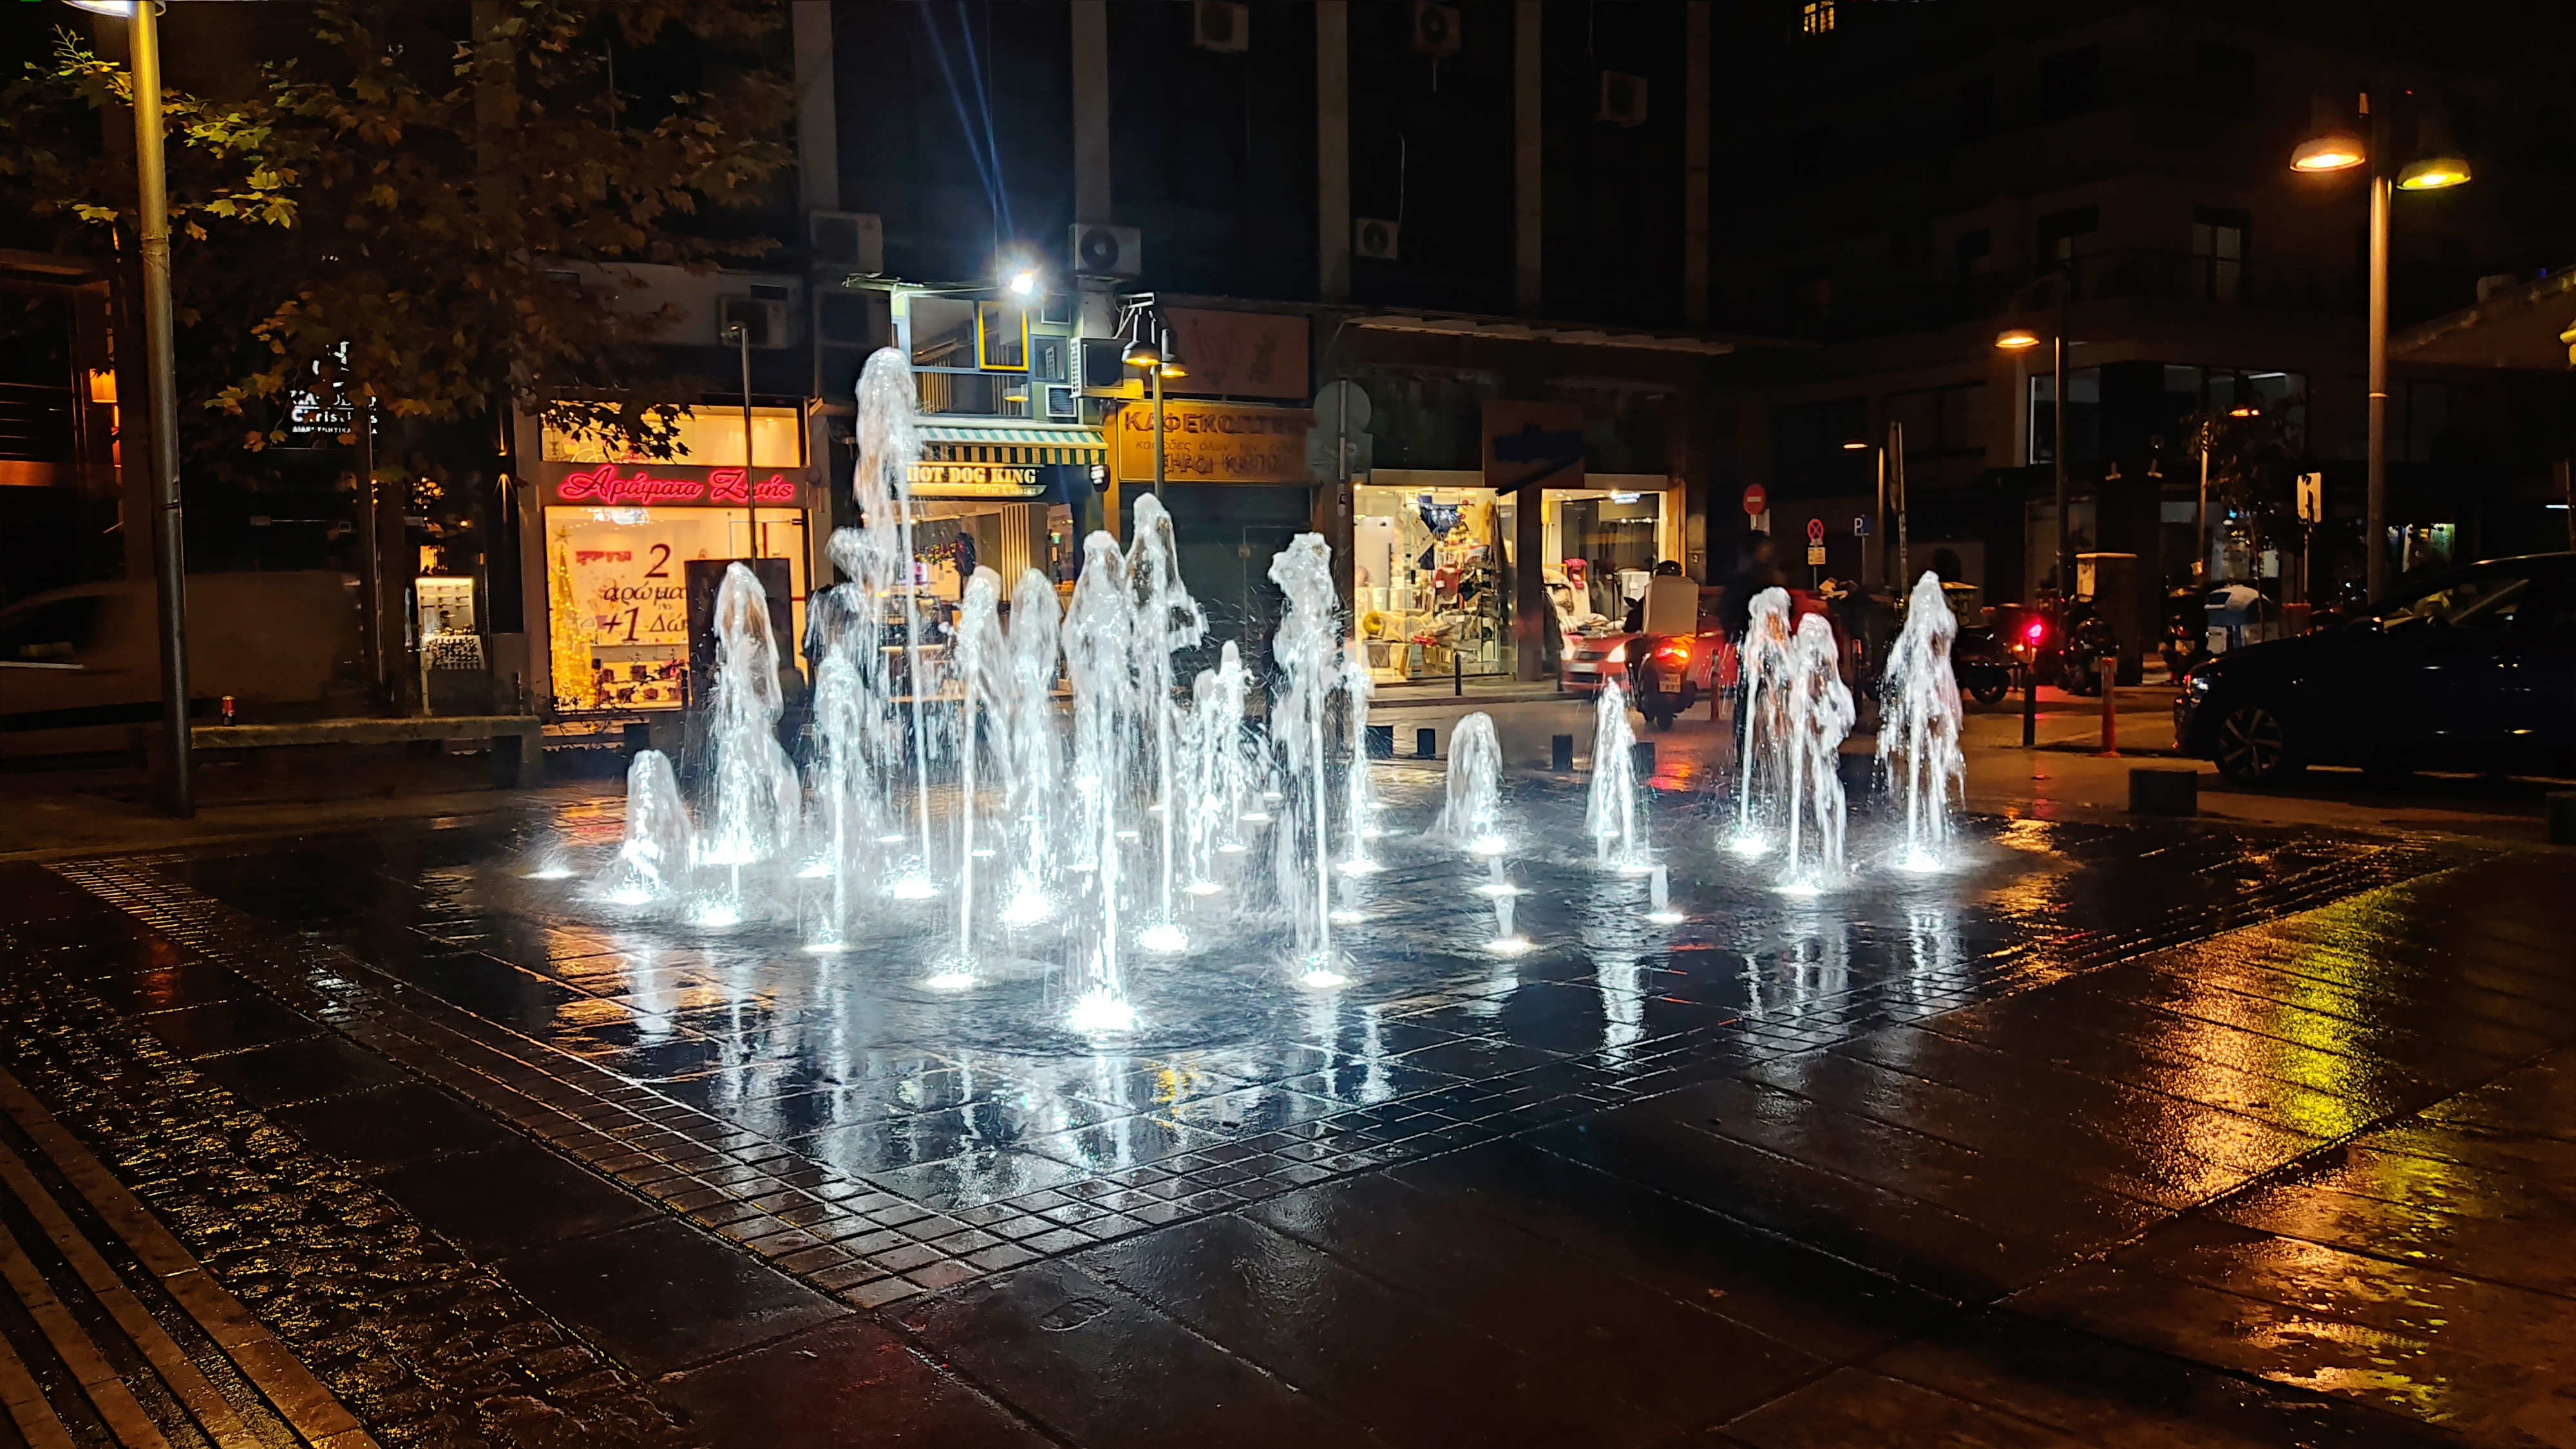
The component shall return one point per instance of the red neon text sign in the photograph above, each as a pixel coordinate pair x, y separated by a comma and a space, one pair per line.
604, 484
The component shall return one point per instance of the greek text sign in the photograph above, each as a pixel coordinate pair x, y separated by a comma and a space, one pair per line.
1215, 443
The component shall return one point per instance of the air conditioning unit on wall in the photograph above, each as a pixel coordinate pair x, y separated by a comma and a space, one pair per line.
851, 239
1623, 98
1374, 238
1435, 28
764, 317
1107, 251
1220, 25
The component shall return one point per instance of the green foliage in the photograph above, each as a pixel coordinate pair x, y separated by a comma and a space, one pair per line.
434, 222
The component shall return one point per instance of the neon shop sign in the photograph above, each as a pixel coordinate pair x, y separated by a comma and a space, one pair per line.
606, 485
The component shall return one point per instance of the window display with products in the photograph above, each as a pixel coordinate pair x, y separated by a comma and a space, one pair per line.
1428, 579
617, 600
1601, 547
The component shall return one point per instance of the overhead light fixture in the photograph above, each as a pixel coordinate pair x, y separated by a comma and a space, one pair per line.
1024, 282
1171, 356
1141, 353
2330, 144
2014, 339
121, 9
2441, 165
1856, 445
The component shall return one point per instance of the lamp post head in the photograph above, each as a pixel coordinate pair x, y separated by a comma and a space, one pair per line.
1856, 445
1141, 353
2016, 339
2330, 144
2336, 150
2433, 173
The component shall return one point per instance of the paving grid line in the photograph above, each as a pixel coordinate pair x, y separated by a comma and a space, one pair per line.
25, 1401
432, 1341
306, 1405
847, 1234
180, 1374
98, 1380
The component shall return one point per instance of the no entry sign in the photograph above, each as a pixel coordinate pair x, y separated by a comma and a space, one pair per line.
1755, 500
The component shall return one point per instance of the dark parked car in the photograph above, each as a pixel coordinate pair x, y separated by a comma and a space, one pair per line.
2473, 668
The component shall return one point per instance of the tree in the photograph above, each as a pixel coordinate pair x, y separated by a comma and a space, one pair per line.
420, 220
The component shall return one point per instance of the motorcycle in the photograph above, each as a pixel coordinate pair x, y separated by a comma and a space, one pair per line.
1983, 665
2085, 639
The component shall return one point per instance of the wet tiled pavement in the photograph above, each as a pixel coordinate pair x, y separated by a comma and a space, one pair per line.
2143, 1137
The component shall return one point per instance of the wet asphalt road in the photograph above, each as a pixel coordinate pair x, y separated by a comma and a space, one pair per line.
2149, 1137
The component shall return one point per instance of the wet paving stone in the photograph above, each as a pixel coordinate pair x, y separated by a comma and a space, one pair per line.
1755, 1184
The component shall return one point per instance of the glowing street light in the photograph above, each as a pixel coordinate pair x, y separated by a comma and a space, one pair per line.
1152, 353
2331, 146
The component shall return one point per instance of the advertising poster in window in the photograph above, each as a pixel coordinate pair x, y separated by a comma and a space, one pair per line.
621, 622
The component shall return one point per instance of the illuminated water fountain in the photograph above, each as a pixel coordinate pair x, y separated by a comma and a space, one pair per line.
1918, 732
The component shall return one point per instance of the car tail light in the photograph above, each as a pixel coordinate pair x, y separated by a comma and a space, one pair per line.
1676, 651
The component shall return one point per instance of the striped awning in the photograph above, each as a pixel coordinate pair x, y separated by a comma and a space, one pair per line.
1011, 441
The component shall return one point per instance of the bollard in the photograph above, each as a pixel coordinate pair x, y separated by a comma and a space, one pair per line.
1426, 743
1560, 753
2030, 705
1457, 674
1641, 759
2164, 790
1381, 742
2107, 669
2562, 817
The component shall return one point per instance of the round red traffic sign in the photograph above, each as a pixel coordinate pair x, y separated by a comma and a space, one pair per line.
1755, 500
1815, 530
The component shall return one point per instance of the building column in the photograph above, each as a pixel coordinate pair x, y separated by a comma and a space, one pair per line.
1525, 157
1333, 150
1695, 141
818, 136
1091, 205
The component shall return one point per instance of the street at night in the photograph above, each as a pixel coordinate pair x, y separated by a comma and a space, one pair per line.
1772, 723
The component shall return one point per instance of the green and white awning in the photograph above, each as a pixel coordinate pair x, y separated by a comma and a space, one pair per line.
1011, 441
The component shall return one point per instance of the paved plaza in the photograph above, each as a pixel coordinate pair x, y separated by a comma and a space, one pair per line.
2123, 1133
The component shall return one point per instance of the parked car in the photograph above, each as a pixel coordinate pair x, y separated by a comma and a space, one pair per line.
2473, 668
80, 667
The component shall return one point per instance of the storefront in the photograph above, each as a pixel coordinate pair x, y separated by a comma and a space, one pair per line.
1433, 554
1003, 496
1238, 488
610, 546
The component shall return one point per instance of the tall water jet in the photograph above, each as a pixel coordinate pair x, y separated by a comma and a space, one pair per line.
1307, 648
1359, 800
754, 786
1918, 732
843, 786
1820, 715
877, 555
984, 669
1610, 814
1762, 718
1097, 642
1220, 774
653, 858
1029, 726
1471, 812
1166, 618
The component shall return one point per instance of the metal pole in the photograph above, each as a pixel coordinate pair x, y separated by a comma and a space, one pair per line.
1870, 568
750, 485
2065, 522
2200, 566
2381, 194
169, 534
1896, 468
1157, 373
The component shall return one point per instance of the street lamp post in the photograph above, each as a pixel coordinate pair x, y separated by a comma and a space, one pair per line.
2016, 339
1158, 359
750, 480
152, 207
2331, 146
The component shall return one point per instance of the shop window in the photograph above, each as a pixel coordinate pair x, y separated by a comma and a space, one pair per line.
1002, 336
703, 438
2054, 236
1428, 579
943, 332
2218, 253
